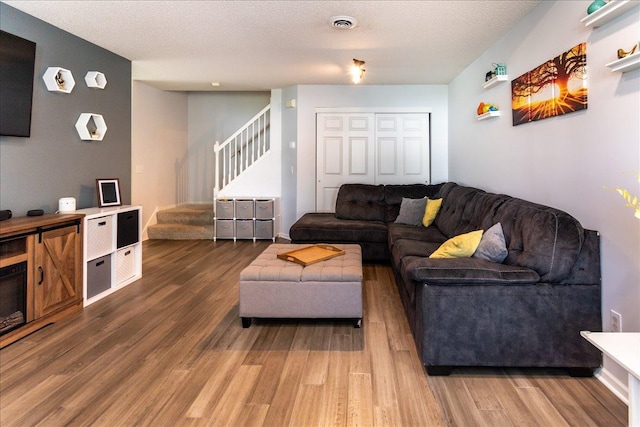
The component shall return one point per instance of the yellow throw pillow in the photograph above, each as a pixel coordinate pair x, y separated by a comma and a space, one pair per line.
430, 211
461, 246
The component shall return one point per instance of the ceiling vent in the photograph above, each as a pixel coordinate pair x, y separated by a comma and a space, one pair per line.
343, 22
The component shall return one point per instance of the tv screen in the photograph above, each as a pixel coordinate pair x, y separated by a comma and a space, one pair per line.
17, 61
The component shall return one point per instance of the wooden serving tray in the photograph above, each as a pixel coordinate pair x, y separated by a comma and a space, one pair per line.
311, 254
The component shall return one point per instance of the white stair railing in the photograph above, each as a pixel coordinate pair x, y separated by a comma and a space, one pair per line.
242, 149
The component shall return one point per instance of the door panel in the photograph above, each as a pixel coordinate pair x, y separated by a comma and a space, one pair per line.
58, 257
358, 154
387, 151
406, 160
344, 154
332, 155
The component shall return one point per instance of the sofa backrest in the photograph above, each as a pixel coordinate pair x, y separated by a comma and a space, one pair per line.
370, 202
544, 239
466, 209
393, 195
360, 202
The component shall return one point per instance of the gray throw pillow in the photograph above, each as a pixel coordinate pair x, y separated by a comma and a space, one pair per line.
492, 246
411, 211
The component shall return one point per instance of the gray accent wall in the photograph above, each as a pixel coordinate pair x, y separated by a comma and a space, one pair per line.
54, 162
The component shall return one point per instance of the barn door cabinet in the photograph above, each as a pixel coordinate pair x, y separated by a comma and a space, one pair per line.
58, 270
48, 249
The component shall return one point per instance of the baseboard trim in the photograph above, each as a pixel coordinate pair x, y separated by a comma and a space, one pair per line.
613, 384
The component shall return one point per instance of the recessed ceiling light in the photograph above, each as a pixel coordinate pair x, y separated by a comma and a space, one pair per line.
215, 84
343, 22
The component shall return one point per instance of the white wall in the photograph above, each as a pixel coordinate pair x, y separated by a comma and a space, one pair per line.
310, 97
263, 178
565, 161
158, 147
215, 116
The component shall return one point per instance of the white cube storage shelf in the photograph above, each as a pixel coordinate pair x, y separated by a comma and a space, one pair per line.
245, 218
112, 250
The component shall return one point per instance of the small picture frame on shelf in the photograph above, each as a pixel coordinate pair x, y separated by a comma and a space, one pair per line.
108, 192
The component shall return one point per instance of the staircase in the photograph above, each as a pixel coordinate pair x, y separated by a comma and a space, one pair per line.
242, 149
235, 155
185, 222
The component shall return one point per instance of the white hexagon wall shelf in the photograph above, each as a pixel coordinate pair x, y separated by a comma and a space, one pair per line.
91, 127
58, 80
95, 79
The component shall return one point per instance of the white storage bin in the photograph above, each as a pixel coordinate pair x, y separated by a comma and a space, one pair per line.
264, 209
224, 229
264, 229
224, 209
244, 209
244, 229
125, 264
100, 237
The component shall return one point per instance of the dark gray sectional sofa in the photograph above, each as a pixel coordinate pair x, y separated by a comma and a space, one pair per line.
527, 311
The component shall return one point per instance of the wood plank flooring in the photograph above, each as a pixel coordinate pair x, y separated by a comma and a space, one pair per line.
169, 350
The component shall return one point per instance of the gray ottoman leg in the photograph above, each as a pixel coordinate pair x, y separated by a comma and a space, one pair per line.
246, 322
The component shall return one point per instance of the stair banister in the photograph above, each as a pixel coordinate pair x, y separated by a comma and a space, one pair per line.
234, 149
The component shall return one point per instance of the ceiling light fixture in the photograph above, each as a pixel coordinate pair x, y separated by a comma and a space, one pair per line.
356, 70
215, 84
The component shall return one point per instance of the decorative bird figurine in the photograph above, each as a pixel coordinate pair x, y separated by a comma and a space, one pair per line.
623, 54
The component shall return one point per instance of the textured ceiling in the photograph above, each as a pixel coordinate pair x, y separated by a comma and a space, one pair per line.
260, 45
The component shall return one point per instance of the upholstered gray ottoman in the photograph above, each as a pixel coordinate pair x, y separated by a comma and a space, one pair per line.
271, 287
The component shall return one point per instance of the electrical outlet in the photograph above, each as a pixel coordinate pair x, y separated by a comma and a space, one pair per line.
616, 321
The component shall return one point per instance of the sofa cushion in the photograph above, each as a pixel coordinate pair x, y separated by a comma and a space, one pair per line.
426, 234
393, 195
492, 246
541, 238
466, 271
411, 211
360, 202
409, 247
325, 227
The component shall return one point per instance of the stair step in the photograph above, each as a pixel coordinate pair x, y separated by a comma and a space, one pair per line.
191, 214
180, 232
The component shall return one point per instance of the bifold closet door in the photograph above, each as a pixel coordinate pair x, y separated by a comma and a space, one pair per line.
369, 148
345, 154
402, 149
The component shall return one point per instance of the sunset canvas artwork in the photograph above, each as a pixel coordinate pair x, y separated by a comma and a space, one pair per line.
558, 86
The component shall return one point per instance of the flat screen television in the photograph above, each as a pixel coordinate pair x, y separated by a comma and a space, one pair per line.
17, 61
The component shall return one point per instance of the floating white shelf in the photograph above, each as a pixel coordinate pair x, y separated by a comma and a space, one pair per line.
495, 80
91, 133
628, 63
489, 115
609, 12
95, 79
58, 80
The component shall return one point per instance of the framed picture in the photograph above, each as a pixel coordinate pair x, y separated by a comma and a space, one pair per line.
108, 192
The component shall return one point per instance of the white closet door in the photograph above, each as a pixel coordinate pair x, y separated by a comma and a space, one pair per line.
345, 154
402, 149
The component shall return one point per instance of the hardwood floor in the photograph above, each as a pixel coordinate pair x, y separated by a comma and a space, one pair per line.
169, 350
